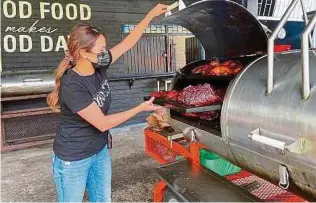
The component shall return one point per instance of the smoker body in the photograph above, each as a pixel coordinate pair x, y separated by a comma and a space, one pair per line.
282, 115
248, 114
26, 83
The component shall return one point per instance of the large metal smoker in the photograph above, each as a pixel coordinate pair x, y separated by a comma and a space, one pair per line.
268, 117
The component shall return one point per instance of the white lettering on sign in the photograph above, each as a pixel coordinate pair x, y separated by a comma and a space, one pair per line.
57, 8
47, 44
9, 39
57, 11
44, 10
22, 6
32, 29
46, 40
9, 9
61, 43
71, 8
25, 47
85, 12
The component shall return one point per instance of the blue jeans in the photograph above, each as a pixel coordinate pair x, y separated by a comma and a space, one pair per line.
72, 178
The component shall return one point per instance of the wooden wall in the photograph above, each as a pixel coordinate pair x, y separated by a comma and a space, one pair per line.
108, 15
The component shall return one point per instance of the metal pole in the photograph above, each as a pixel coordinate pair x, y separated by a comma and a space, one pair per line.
202, 50
306, 22
305, 57
271, 44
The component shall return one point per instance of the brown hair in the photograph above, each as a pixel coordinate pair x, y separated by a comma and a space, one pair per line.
81, 37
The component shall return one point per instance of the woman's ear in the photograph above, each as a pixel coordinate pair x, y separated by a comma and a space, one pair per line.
83, 53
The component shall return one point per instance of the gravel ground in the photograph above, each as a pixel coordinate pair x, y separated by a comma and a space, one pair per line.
26, 174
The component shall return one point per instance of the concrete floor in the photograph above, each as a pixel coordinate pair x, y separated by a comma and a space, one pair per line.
26, 174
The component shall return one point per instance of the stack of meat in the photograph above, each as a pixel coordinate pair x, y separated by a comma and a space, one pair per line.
200, 95
215, 68
195, 96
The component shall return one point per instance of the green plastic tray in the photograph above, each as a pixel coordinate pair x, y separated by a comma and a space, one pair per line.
217, 164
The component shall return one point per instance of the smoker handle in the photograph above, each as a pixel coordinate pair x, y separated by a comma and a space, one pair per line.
306, 23
192, 133
271, 39
32, 80
255, 136
300, 146
306, 90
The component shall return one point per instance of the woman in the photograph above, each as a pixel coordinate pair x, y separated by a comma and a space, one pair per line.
81, 157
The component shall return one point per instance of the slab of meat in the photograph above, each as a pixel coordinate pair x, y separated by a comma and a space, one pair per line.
209, 115
199, 95
167, 95
214, 68
194, 115
203, 69
159, 94
221, 93
193, 96
172, 96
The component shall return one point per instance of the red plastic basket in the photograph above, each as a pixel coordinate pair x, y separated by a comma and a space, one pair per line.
158, 148
265, 190
159, 151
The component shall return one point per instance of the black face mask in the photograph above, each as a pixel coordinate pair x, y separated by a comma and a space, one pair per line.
103, 60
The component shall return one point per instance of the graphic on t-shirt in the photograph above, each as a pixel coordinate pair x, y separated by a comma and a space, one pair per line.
102, 94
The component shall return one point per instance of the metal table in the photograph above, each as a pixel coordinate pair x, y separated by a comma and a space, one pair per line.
191, 185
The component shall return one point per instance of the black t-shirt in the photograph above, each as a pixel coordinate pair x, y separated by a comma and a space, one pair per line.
76, 138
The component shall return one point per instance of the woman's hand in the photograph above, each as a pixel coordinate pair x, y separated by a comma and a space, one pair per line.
157, 10
149, 106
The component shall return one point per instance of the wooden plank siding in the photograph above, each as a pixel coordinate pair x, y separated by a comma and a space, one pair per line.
146, 57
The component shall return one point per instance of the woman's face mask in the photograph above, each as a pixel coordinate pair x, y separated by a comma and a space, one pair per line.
103, 60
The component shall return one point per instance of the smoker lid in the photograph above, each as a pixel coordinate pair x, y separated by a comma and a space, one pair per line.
223, 27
